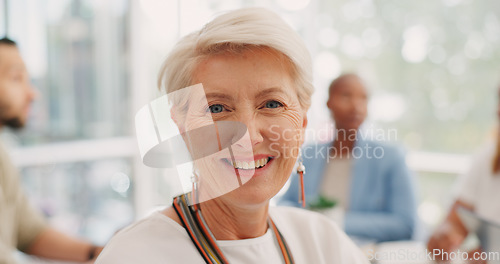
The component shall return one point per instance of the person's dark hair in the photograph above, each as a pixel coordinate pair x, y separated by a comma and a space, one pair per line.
7, 41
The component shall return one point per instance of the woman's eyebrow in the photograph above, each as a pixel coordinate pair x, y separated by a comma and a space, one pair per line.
271, 90
219, 96
259, 94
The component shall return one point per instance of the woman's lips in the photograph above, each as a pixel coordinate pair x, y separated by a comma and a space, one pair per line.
248, 165
240, 171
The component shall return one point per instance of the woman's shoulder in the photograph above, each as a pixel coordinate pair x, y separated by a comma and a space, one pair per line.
151, 225
480, 162
146, 240
485, 153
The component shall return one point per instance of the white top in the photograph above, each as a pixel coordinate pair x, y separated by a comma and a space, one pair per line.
337, 181
311, 238
480, 188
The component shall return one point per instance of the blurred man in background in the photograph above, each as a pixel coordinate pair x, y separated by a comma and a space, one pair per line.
21, 226
366, 178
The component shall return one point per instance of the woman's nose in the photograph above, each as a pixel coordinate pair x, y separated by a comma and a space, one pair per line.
255, 134
254, 129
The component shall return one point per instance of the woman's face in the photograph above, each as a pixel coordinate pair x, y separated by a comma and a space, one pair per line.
256, 89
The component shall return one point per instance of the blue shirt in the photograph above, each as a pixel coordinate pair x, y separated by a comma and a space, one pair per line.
382, 203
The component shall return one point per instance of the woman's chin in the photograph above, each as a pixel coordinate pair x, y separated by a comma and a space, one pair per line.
251, 192
250, 196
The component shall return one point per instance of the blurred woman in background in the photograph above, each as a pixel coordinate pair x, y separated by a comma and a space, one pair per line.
479, 191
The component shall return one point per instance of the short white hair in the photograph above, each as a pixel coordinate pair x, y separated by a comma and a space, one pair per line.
233, 32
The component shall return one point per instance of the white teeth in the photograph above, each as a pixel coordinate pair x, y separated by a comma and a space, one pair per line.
254, 164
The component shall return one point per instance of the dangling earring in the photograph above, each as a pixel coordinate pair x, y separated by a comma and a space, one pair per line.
301, 170
195, 180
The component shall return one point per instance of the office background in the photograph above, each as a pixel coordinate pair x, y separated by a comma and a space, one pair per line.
432, 68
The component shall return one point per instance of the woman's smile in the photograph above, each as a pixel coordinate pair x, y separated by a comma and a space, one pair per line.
248, 168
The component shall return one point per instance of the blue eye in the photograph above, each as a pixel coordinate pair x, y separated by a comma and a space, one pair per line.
216, 108
273, 104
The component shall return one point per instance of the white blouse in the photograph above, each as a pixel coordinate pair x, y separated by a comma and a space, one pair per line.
480, 188
311, 237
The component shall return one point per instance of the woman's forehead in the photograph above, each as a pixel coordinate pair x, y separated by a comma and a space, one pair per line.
250, 70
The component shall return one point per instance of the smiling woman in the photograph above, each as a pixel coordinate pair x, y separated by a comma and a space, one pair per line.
250, 68
262, 95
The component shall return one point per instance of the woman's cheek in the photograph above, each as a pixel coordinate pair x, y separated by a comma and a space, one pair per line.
284, 141
193, 122
287, 127
295, 118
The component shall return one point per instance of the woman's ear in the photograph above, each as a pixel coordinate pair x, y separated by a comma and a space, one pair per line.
174, 113
303, 129
304, 122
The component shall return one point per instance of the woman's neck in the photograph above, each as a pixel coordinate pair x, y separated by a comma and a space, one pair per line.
230, 222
